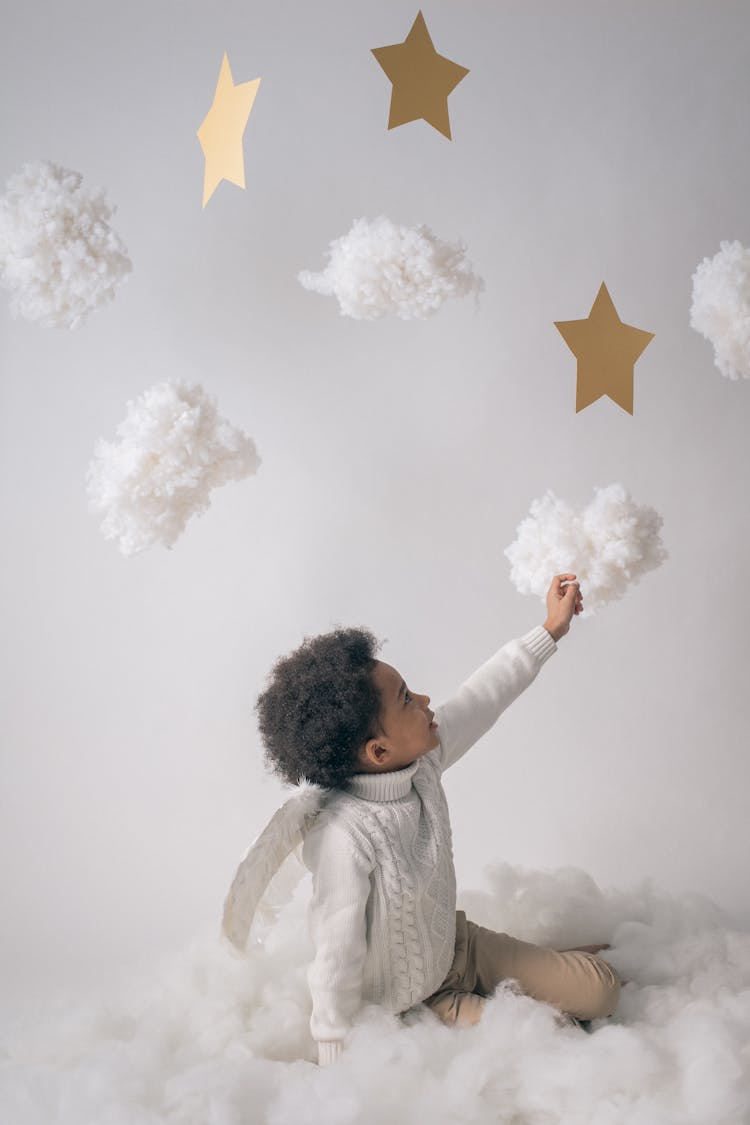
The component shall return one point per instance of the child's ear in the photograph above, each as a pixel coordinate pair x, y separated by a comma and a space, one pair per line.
373, 753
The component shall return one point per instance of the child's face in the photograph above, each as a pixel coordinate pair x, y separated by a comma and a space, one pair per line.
407, 727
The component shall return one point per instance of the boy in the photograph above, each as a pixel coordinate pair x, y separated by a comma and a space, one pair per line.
383, 912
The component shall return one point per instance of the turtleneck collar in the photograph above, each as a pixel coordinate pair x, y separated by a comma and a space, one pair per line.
390, 785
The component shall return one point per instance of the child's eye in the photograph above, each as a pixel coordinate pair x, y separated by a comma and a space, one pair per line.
407, 696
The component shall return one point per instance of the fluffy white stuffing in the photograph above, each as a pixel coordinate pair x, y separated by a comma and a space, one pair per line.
380, 267
174, 448
608, 545
218, 1038
59, 257
721, 308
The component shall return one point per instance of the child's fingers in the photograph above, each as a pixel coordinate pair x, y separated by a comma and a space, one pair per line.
557, 587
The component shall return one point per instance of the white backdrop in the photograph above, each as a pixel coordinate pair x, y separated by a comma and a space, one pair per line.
593, 142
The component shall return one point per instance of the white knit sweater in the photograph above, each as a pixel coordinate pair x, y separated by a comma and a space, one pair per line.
383, 909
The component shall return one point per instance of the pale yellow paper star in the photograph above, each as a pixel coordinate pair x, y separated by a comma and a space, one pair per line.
422, 79
222, 129
606, 350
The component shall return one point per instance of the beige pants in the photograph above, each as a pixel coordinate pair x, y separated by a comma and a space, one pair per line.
580, 984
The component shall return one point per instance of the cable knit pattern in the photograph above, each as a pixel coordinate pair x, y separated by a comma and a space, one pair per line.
383, 909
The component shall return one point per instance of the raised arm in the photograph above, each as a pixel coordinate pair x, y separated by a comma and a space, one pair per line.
481, 700
337, 914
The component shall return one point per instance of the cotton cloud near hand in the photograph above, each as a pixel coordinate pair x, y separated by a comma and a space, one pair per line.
609, 545
173, 450
380, 267
59, 257
721, 308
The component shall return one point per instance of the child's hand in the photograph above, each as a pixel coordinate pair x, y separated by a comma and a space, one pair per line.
562, 604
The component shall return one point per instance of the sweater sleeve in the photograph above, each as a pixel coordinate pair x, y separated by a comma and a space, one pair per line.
481, 700
338, 926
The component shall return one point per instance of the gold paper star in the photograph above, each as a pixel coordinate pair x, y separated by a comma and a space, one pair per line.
422, 79
221, 131
606, 350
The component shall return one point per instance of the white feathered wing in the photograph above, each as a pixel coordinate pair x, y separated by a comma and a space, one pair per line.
266, 878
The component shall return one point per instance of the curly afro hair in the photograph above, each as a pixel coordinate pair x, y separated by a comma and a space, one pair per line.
320, 707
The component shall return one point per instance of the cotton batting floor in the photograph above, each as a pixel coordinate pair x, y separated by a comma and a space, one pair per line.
215, 1038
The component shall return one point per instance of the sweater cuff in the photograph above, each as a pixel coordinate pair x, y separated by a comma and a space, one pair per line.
540, 643
329, 1050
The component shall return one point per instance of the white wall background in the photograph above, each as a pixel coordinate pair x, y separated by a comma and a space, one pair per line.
592, 141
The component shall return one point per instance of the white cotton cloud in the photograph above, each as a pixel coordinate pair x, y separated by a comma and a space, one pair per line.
721, 308
609, 545
59, 257
211, 1035
174, 449
380, 267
